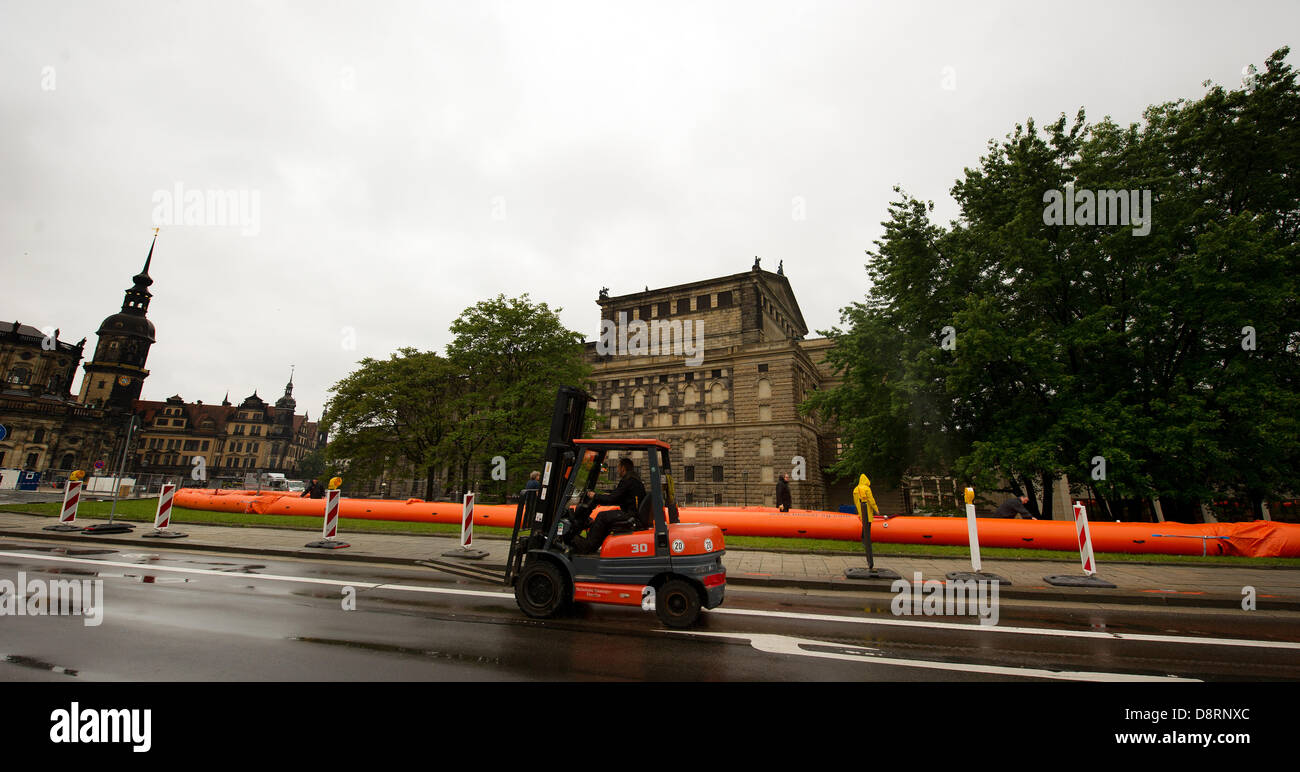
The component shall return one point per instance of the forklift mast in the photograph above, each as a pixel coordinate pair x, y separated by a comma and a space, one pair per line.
558, 464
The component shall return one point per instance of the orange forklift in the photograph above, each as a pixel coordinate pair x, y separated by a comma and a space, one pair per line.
650, 560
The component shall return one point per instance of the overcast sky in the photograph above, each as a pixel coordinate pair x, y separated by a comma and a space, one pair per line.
411, 159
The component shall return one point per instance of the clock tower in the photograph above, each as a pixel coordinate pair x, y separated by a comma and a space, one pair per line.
115, 375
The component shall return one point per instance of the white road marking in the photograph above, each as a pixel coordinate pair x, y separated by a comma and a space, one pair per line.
784, 644
880, 622
147, 568
971, 628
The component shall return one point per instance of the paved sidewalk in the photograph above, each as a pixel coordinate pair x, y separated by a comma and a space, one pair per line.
1147, 584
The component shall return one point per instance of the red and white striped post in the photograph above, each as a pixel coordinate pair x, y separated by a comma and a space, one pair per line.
68, 515
467, 521
1085, 539
1089, 578
466, 533
331, 526
163, 517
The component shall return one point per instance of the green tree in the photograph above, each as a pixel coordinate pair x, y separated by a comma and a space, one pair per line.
513, 354
394, 413
1171, 355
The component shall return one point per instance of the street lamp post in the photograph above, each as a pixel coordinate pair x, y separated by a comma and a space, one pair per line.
110, 526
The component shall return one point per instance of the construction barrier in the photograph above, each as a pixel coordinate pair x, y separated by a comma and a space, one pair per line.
977, 572
466, 532
331, 527
68, 515
163, 516
1084, 538
1257, 538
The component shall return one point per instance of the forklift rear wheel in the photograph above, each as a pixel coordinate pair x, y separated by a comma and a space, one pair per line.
540, 591
677, 603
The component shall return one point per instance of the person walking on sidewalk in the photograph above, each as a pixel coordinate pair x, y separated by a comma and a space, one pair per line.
783, 500
867, 510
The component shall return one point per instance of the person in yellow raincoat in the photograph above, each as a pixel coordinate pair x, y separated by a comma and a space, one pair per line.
867, 511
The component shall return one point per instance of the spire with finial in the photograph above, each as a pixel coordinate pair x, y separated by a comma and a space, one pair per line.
226, 399
143, 279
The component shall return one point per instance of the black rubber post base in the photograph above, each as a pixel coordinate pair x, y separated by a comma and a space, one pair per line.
108, 528
61, 527
887, 574
975, 576
465, 554
1078, 580
328, 544
161, 533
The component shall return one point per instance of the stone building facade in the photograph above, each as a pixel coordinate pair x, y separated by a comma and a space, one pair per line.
732, 415
232, 440
44, 426
47, 429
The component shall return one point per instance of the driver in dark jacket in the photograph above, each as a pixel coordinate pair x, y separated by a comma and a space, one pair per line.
627, 496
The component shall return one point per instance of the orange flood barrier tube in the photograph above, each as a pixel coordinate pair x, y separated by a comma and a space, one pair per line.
1257, 538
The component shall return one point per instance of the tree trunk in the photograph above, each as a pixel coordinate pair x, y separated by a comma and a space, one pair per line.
1049, 493
1032, 506
428, 484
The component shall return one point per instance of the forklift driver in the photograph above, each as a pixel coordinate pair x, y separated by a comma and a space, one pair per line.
628, 496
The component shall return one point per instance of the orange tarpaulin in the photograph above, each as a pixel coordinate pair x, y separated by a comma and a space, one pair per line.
1252, 539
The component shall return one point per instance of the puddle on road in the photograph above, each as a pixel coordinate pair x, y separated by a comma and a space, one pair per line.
36, 664
405, 650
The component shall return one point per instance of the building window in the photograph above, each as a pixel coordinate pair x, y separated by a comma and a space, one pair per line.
689, 471
684, 306
665, 308
690, 395
613, 422
638, 398
764, 388
719, 449
38, 435
762, 368
704, 302
688, 449
767, 475
638, 421
615, 401
765, 447
191, 445
724, 299
645, 312
765, 412
717, 473
663, 398
717, 499
32, 458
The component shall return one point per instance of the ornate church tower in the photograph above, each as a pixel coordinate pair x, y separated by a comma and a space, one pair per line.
115, 375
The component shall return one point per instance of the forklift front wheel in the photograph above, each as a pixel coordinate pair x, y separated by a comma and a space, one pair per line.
677, 603
541, 589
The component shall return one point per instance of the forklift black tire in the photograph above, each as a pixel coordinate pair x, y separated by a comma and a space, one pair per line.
542, 590
678, 603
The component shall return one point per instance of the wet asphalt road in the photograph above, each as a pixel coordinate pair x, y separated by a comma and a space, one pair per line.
176, 616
